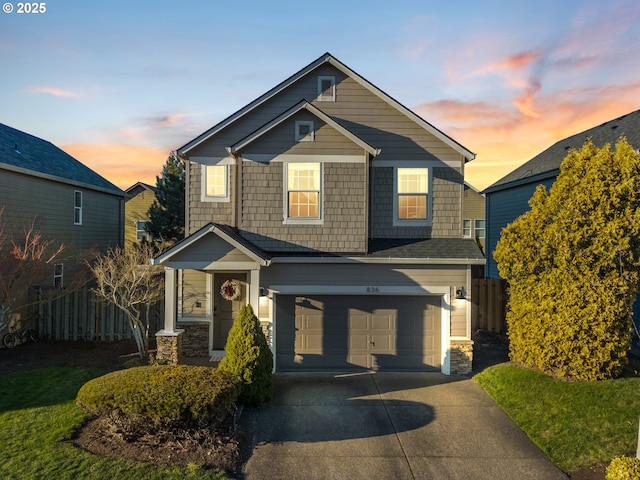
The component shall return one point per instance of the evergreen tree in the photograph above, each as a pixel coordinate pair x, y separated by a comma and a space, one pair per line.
249, 358
166, 214
573, 262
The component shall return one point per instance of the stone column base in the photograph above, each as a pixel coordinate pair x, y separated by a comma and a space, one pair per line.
461, 357
169, 347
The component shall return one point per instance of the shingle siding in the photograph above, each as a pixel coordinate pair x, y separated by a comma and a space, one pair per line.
200, 213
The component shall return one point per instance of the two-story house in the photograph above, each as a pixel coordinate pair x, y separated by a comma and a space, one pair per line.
140, 197
65, 201
336, 212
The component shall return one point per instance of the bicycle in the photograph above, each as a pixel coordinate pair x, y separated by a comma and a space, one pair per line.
10, 339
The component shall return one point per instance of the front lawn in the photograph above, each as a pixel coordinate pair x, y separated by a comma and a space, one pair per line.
577, 424
38, 414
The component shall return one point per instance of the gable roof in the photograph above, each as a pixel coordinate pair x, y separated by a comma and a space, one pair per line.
330, 59
303, 105
25, 153
547, 163
138, 187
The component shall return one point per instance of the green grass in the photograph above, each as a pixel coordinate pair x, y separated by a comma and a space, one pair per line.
577, 424
38, 413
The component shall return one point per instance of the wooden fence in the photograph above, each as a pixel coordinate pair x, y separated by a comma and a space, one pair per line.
488, 305
79, 315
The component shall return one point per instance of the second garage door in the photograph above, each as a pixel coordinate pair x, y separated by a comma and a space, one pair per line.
334, 332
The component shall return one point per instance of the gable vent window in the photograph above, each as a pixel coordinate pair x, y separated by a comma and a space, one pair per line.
327, 88
304, 131
77, 207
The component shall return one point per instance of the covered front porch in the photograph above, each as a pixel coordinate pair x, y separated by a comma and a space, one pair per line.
209, 276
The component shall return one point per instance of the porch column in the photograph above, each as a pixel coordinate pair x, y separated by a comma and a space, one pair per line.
170, 299
254, 290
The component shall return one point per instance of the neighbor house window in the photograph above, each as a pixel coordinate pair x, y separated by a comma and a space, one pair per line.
58, 275
303, 181
478, 229
412, 189
141, 232
327, 88
215, 183
304, 131
77, 207
466, 228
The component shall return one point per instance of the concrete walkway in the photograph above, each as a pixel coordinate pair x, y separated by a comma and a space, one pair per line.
387, 426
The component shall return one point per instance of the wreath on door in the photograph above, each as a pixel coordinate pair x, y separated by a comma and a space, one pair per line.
230, 290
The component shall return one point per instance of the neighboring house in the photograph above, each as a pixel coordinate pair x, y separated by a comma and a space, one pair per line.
336, 212
136, 212
508, 198
67, 201
473, 218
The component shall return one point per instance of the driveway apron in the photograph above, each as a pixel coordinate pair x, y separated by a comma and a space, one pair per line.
387, 426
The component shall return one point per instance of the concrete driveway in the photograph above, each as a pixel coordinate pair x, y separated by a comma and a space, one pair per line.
387, 426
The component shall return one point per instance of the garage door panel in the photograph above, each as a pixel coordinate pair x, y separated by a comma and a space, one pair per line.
358, 332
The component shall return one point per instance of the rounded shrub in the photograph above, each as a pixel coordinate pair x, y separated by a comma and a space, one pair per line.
173, 393
249, 357
623, 468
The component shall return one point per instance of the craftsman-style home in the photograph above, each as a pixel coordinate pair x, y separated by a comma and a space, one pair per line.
337, 213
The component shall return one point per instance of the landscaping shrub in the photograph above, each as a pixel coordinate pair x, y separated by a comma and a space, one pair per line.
623, 468
249, 357
183, 394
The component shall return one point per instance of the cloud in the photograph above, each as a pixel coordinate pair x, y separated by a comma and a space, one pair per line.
56, 92
121, 164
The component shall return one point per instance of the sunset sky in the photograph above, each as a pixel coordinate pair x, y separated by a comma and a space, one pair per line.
119, 84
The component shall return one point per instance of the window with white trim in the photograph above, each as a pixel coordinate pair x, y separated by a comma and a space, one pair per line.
304, 131
58, 275
77, 207
478, 229
141, 232
303, 192
412, 196
215, 183
466, 228
327, 88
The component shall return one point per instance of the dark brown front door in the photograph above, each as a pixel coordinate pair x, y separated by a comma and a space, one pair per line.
225, 311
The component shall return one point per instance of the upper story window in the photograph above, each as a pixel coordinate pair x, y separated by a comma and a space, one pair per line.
304, 131
478, 229
215, 183
141, 232
466, 228
412, 196
77, 207
327, 88
303, 193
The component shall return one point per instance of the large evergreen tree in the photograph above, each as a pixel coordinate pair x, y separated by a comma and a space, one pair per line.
166, 214
572, 263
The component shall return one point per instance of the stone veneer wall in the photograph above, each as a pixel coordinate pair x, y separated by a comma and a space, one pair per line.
461, 357
169, 348
195, 341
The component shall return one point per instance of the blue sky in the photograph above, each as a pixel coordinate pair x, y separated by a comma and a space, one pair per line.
120, 84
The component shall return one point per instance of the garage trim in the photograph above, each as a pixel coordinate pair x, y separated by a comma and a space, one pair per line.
374, 290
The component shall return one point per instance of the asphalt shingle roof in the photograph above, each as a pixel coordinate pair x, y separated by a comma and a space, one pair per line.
20, 149
550, 159
432, 248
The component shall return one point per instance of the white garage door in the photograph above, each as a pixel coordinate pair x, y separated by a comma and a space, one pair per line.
351, 332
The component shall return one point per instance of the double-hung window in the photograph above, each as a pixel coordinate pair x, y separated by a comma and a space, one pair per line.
478, 229
77, 207
412, 196
466, 228
303, 192
141, 232
215, 183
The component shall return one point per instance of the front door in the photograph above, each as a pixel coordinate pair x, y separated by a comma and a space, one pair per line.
226, 310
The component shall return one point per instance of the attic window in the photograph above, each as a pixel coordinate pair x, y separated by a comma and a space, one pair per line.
327, 88
304, 131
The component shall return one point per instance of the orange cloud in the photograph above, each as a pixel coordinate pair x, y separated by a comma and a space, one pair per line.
504, 138
121, 164
56, 92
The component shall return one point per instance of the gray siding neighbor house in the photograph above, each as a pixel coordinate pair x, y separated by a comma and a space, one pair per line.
67, 201
336, 213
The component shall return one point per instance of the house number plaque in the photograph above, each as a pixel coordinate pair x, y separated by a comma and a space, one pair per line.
373, 289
